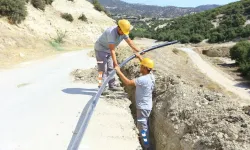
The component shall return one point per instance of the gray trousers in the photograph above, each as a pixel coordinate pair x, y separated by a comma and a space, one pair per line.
142, 116
105, 65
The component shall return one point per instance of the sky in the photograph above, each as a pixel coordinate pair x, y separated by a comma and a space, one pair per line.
180, 3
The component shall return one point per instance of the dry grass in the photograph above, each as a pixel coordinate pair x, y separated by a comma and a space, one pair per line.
179, 52
22, 85
213, 87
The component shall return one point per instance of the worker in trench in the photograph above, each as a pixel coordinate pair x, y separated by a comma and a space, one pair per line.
143, 96
105, 51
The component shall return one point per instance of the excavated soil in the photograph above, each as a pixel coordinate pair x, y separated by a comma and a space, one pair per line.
214, 50
85, 76
190, 111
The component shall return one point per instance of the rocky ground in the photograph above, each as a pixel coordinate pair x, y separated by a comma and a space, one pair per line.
196, 118
190, 111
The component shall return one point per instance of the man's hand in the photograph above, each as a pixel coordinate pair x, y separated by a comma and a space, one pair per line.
115, 64
117, 68
137, 55
124, 79
132, 45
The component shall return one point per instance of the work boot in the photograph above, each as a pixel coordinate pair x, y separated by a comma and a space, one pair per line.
115, 88
100, 87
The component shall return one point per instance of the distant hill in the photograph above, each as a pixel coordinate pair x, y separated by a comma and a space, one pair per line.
118, 7
206, 7
222, 24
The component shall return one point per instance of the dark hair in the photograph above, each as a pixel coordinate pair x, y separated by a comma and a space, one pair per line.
148, 69
118, 28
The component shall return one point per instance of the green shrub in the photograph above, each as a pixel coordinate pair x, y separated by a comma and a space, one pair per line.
245, 68
246, 32
184, 39
83, 18
131, 36
97, 5
60, 36
234, 20
67, 17
161, 36
39, 4
247, 10
15, 10
49, 2
231, 33
196, 38
240, 52
216, 37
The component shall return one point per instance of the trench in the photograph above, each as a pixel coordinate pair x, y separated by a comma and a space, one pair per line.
167, 129
161, 130
185, 117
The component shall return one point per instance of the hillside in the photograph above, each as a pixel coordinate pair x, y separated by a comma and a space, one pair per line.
221, 24
118, 7
36, 34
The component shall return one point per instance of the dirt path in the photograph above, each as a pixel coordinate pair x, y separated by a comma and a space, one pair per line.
41, 105
219, 78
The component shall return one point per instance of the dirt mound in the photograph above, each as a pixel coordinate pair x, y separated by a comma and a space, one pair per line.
217, 52
190, 112
85, 76
197, 118
214, 50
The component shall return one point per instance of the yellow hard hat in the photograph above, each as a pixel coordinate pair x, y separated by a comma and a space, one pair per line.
125, 26
147, 62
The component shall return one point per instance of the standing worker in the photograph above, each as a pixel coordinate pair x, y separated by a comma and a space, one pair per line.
105, 50
143, 96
